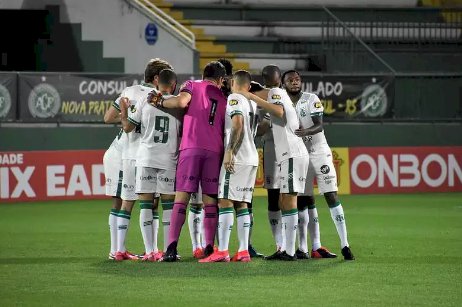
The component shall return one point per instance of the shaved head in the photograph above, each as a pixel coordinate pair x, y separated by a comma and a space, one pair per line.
271, 76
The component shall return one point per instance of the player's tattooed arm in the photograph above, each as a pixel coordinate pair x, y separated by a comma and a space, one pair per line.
126, 125
179, 101
235, 142
316, 128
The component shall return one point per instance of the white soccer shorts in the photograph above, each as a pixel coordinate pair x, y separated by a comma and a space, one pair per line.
322, 168
237, 186
112, 162
293, 174
128, 180
155, 180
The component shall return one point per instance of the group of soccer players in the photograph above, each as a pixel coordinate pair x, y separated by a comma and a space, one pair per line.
198, 147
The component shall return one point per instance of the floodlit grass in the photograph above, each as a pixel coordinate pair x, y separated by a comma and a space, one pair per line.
408, 250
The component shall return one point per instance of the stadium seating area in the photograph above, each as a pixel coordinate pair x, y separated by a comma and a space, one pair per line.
315, 38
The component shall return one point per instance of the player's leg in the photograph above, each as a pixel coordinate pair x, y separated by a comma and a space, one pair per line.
129, 197
252, 251
327, 183
146, 181
338, 216
113, 173
210, 173
166, 188
187, 182
195, 224
304, 200
293, 176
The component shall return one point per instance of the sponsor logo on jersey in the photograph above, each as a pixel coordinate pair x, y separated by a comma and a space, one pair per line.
374, 101
233, 102
325, 169
5, 101
276, 97
244, 189
44, 101
318, 104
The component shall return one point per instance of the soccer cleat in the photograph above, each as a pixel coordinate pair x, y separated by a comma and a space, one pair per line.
148, 257
322, 252
286, 257
171, 254
157, 256
209, 250
218, 256
119, 256
242, 256
111, 256
253, 253
198, 253
301, 255
347, 254
275, 256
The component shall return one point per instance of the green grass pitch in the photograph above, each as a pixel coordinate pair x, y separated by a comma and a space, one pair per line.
408, 250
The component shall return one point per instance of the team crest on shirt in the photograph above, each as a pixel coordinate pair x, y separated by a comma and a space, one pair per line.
132, 108
276, 97
233, 102
302, 113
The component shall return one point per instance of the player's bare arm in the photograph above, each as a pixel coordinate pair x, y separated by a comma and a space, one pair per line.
126, 125
237, 135
316, 128
263, 127
112, 116
179, 101
273, 109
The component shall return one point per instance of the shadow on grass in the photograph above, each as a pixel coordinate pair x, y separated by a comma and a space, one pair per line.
191, 268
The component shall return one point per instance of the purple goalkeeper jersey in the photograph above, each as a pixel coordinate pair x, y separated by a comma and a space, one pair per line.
203, 124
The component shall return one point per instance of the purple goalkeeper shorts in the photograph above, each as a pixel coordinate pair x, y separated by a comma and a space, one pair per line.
198, 165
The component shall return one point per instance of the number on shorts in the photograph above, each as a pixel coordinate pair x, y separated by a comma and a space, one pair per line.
213, 110
161, 125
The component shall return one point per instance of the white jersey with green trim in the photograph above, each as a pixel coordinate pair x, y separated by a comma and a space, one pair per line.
239, 105
287, 143
160, 135
120, 140
308, 106
136, 94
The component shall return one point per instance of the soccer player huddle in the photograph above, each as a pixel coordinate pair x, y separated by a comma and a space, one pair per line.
198, 148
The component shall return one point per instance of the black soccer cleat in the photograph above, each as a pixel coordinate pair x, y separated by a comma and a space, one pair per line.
253, 253
286, 257
301, 255
347, 254
171, 254
208, 250
275, 256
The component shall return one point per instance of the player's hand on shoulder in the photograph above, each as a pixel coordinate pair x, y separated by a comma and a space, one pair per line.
124, 103
301, 132
155, 98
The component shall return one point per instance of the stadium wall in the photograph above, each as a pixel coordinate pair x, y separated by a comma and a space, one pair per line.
122, 31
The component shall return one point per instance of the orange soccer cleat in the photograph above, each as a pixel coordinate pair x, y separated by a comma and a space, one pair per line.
119, 256
198, 253
242, 256
322, 252
219, 256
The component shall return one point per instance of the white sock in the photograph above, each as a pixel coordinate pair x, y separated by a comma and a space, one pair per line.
202, 227
155, 230
113, 230
194, 224
225, 224
313, 228
289, 221
146, 224
302, 230
339, 220
167, 207
123, 221
275, 221
243, 228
